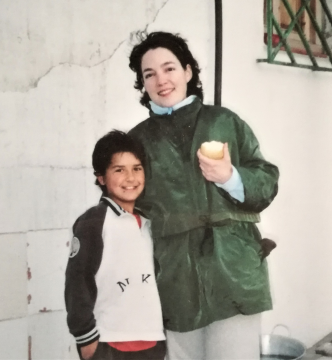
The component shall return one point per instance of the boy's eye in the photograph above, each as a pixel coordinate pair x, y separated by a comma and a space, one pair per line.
118, 170
139, 168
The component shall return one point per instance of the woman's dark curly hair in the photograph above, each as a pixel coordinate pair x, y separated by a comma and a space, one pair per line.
173, 43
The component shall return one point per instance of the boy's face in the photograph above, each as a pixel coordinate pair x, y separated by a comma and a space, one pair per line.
124, 180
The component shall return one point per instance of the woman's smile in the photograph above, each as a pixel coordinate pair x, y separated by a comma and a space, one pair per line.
165, 92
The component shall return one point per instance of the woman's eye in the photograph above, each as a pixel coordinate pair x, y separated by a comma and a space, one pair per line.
170, 69
138, 168
147, 76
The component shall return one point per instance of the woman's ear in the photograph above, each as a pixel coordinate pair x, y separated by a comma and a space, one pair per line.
189, 73
101, 180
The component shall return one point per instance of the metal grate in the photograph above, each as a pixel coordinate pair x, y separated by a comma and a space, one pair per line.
277, 37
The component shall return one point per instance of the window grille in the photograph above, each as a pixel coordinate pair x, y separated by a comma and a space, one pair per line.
310, 21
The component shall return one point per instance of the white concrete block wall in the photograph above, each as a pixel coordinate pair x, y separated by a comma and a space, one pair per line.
9, 130
93, 193
65, 82
48, 338
59, 197
35, 198
59, 116
14, 341
15, 201
47, 260
13, 276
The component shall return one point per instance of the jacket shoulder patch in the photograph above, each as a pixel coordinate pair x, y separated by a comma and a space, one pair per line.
74, 247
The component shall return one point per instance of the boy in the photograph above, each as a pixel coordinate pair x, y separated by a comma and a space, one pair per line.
111, 296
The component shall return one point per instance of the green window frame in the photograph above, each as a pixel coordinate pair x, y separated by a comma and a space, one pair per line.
278, 36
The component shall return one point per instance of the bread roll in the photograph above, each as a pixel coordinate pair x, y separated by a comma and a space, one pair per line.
213, 150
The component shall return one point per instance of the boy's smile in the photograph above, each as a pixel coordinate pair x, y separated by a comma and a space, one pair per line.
124, 180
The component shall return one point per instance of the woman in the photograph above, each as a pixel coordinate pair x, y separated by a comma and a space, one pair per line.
212, 277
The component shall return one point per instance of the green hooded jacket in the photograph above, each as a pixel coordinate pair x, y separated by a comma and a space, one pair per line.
207, 246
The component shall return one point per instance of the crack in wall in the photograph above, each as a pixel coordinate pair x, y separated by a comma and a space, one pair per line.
48, 229
25, 232
34, 84
155, 17
28, 316
13, 233
51, 167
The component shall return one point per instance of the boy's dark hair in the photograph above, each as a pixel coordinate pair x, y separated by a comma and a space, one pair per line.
173, 43
112, 143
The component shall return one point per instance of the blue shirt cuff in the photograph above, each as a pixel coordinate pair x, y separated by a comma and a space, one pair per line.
234, 186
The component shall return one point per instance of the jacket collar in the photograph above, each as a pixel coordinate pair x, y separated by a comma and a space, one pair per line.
182, 112
119, 211
159, 110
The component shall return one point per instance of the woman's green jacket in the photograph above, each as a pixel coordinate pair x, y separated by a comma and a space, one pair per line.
207, 247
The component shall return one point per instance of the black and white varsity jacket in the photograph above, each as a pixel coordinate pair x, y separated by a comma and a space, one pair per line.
110, 289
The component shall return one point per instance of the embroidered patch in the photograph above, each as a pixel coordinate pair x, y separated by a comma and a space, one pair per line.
74, 247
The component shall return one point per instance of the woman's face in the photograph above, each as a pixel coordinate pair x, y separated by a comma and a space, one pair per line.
164, 78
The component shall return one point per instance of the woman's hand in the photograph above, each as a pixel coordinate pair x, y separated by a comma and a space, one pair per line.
218, 171
88, 351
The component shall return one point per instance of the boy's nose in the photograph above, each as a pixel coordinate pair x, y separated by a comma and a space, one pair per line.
130, 176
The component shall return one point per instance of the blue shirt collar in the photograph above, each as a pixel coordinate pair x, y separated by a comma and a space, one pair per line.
159, 110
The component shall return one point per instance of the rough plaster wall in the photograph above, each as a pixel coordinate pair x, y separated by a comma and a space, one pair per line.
42, 35
64, 82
